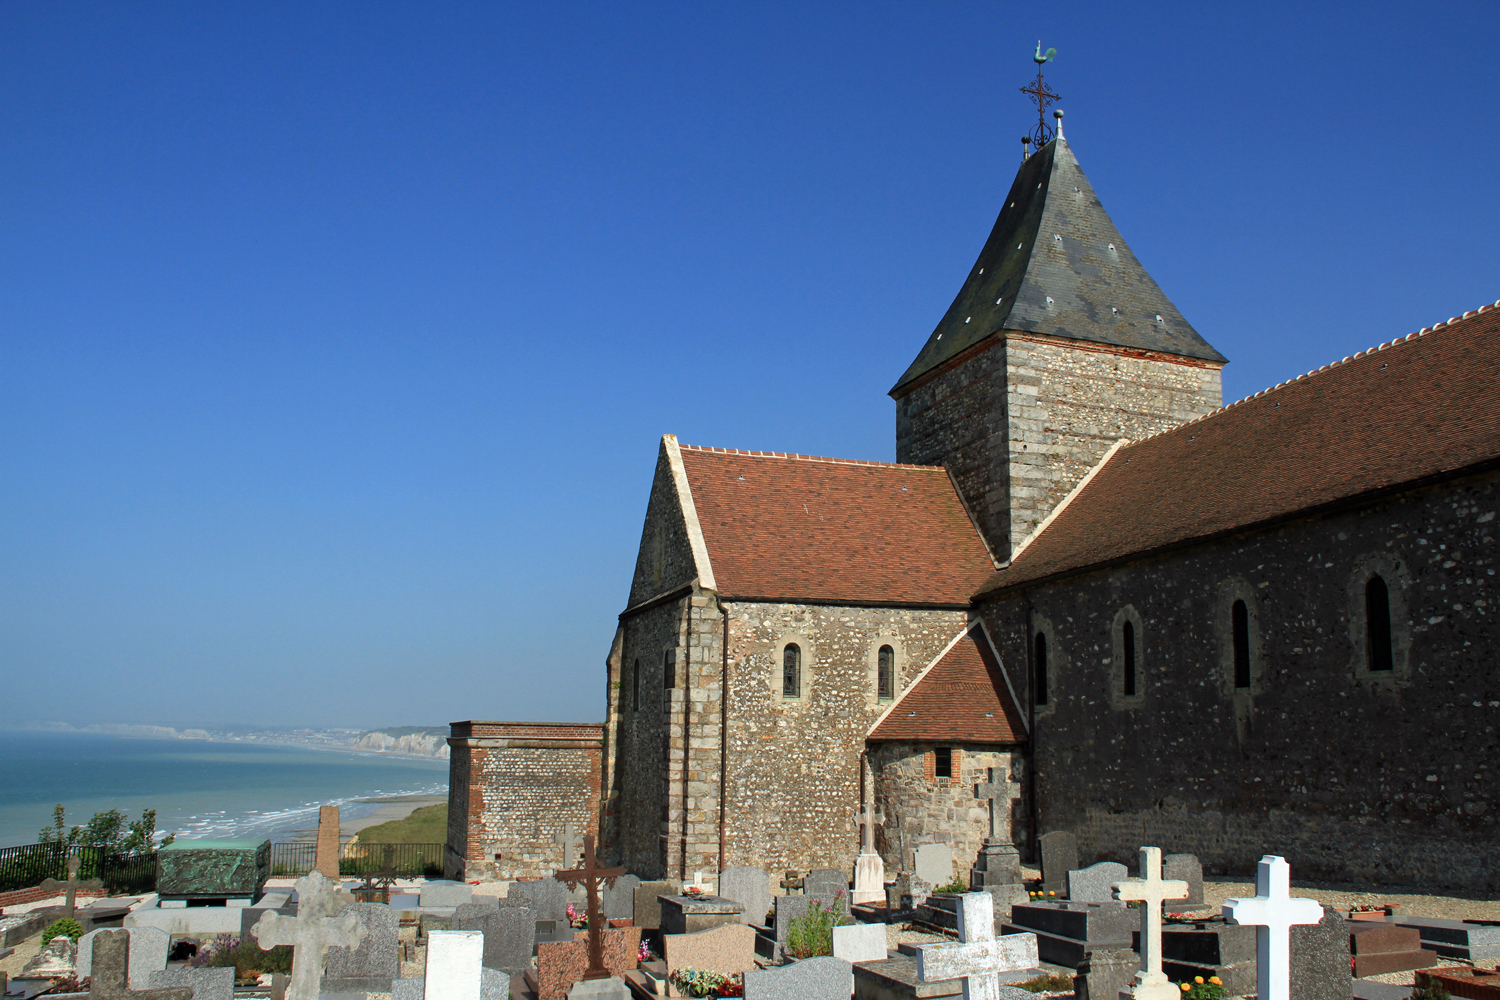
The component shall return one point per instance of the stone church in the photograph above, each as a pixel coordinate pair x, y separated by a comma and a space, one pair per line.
1262, 628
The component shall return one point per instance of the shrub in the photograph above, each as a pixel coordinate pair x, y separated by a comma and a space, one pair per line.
62, 927
1211, 988
1433, 990
812, 933
245, 956
956, 885
1049, 983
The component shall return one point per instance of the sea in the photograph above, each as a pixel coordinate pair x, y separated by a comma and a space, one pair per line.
199, 788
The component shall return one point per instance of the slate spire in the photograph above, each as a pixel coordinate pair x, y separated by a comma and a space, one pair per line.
1055, 264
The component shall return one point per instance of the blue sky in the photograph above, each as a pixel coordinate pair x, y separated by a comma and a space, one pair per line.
338, 338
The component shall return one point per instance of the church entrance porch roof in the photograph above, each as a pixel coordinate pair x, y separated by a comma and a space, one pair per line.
963, 696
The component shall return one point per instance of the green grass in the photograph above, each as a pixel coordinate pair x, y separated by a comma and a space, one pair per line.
427, 825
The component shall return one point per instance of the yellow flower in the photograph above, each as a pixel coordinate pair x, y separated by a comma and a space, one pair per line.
1198, 980
1185, 987
1053, 893
1216, 980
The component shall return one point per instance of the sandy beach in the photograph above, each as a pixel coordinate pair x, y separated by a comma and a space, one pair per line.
386, 810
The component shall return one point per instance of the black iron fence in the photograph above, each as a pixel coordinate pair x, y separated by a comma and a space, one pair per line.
122, 874
400, 860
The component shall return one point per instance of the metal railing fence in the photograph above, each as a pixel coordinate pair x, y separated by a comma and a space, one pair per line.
122, 874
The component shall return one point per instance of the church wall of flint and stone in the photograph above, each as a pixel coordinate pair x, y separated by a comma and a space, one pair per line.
1384, 777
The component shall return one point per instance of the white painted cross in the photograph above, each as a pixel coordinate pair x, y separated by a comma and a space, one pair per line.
1272, 911
317, 927
706, 884
568, 840
981, 956
1152, 890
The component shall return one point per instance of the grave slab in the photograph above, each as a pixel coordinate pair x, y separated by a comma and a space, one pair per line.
1093, 884
509, 935
1478, 943
1067, 931
860, 943
212, 869
370, 967
979, 956
454, 961
686, 914
1059, 856
442, 892
613, 988
1380, 948
561, 964
206, 984
407, 989
751, 888
108, 973
934, 864
547, 898
728, 949
148, 953
821, 978
493, 985
1209, 948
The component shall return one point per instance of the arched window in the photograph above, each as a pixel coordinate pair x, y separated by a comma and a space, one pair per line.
791, 671
1041, 668
885, 670
1239, 618
635, 687
1127, 643
1378, 626
669, 670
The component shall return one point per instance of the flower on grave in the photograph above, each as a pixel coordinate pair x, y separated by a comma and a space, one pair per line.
1198, 980
1216, 980
644, 953
1185, 987
1052, 893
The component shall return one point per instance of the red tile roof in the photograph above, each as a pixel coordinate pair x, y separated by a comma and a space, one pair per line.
962, 698
1422, 406
789, 527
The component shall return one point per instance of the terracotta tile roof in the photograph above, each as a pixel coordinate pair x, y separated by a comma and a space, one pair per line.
963, 697
789, 527
1418, 407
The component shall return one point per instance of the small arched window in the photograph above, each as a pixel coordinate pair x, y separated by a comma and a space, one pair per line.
635, 686
1239, 617
885, 673
1378, 626
669, 670
791, 671
1041, 668
1127, 643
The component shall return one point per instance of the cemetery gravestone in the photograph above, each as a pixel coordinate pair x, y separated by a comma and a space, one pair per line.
822, 978
509, 935
327, 856
1094, 883
618, 900
1185, 868
72, 885
407, 989
789, 908
751, 888
1059, 856
648, 903
1210, 949
860, 943
728, 949
980, 955
1104, 974
1318, 959
109, 972
1379, 948
318, 926
1151, 890
234, 869
999, 863
148, 953
546, 898
934, 864
1067, 932
1477, 943
569, 842
562, 965
454, 961
686, 914
371, 966
58, 957
206, 984
825, 882
1273, 912
443, 892
493, 985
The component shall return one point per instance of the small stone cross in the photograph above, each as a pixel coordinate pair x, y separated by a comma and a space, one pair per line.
1272, 911
591, 875
317, 927
72, 884
568, 840
977, 960
110, 972
995, 792
1152, 890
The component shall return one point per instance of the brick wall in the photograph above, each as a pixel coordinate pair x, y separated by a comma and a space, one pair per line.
1021, 418
512, 787
1391, 778
16, 897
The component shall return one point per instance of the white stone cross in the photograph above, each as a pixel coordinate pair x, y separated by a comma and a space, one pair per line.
568, 839
981, 956
1152, 890
317, 927
1272, 911
995, 792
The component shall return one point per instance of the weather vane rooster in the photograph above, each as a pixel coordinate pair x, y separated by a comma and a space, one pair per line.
1041, 95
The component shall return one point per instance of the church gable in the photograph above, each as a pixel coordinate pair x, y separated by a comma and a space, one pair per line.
1418, 408
964, 696
671, 555
792, 528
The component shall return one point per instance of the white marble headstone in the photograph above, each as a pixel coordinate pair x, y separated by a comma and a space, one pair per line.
934, 864
454, 961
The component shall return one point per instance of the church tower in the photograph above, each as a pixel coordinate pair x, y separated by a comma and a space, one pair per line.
1058, 345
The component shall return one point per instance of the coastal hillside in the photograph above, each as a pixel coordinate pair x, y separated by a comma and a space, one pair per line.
419, 741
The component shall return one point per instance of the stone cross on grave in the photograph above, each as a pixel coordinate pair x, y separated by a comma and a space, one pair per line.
591, 875
72, 885
110, 972
1272, 911
568, 840
1152, 890
317, 927
980, 957
995, 792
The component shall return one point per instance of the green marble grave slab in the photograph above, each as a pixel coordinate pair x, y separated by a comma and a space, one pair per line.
212, 869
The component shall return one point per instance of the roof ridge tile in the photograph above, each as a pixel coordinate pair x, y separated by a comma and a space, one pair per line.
808, 458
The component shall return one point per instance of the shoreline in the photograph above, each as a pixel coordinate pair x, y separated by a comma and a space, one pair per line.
387, 809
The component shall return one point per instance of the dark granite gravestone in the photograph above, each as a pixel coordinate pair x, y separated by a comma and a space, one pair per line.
648, 904
1478, 943
618, 901
109, 972
751, 888
1320, 959
1093, 884
213, 869
1186, 868
1380, 948
370, 967
825, 882
1210, 948
1103, 974
547, 898
1066, 932
823, 978
1059, 856
509, 935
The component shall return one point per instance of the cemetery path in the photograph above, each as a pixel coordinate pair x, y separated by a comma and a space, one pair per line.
1343, 896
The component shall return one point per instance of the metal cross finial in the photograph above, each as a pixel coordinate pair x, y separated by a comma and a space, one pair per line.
1042, 96
591, 875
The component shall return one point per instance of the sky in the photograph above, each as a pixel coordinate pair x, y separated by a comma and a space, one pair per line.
337, 340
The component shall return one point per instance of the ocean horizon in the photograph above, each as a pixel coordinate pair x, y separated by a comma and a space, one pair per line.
199, 788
